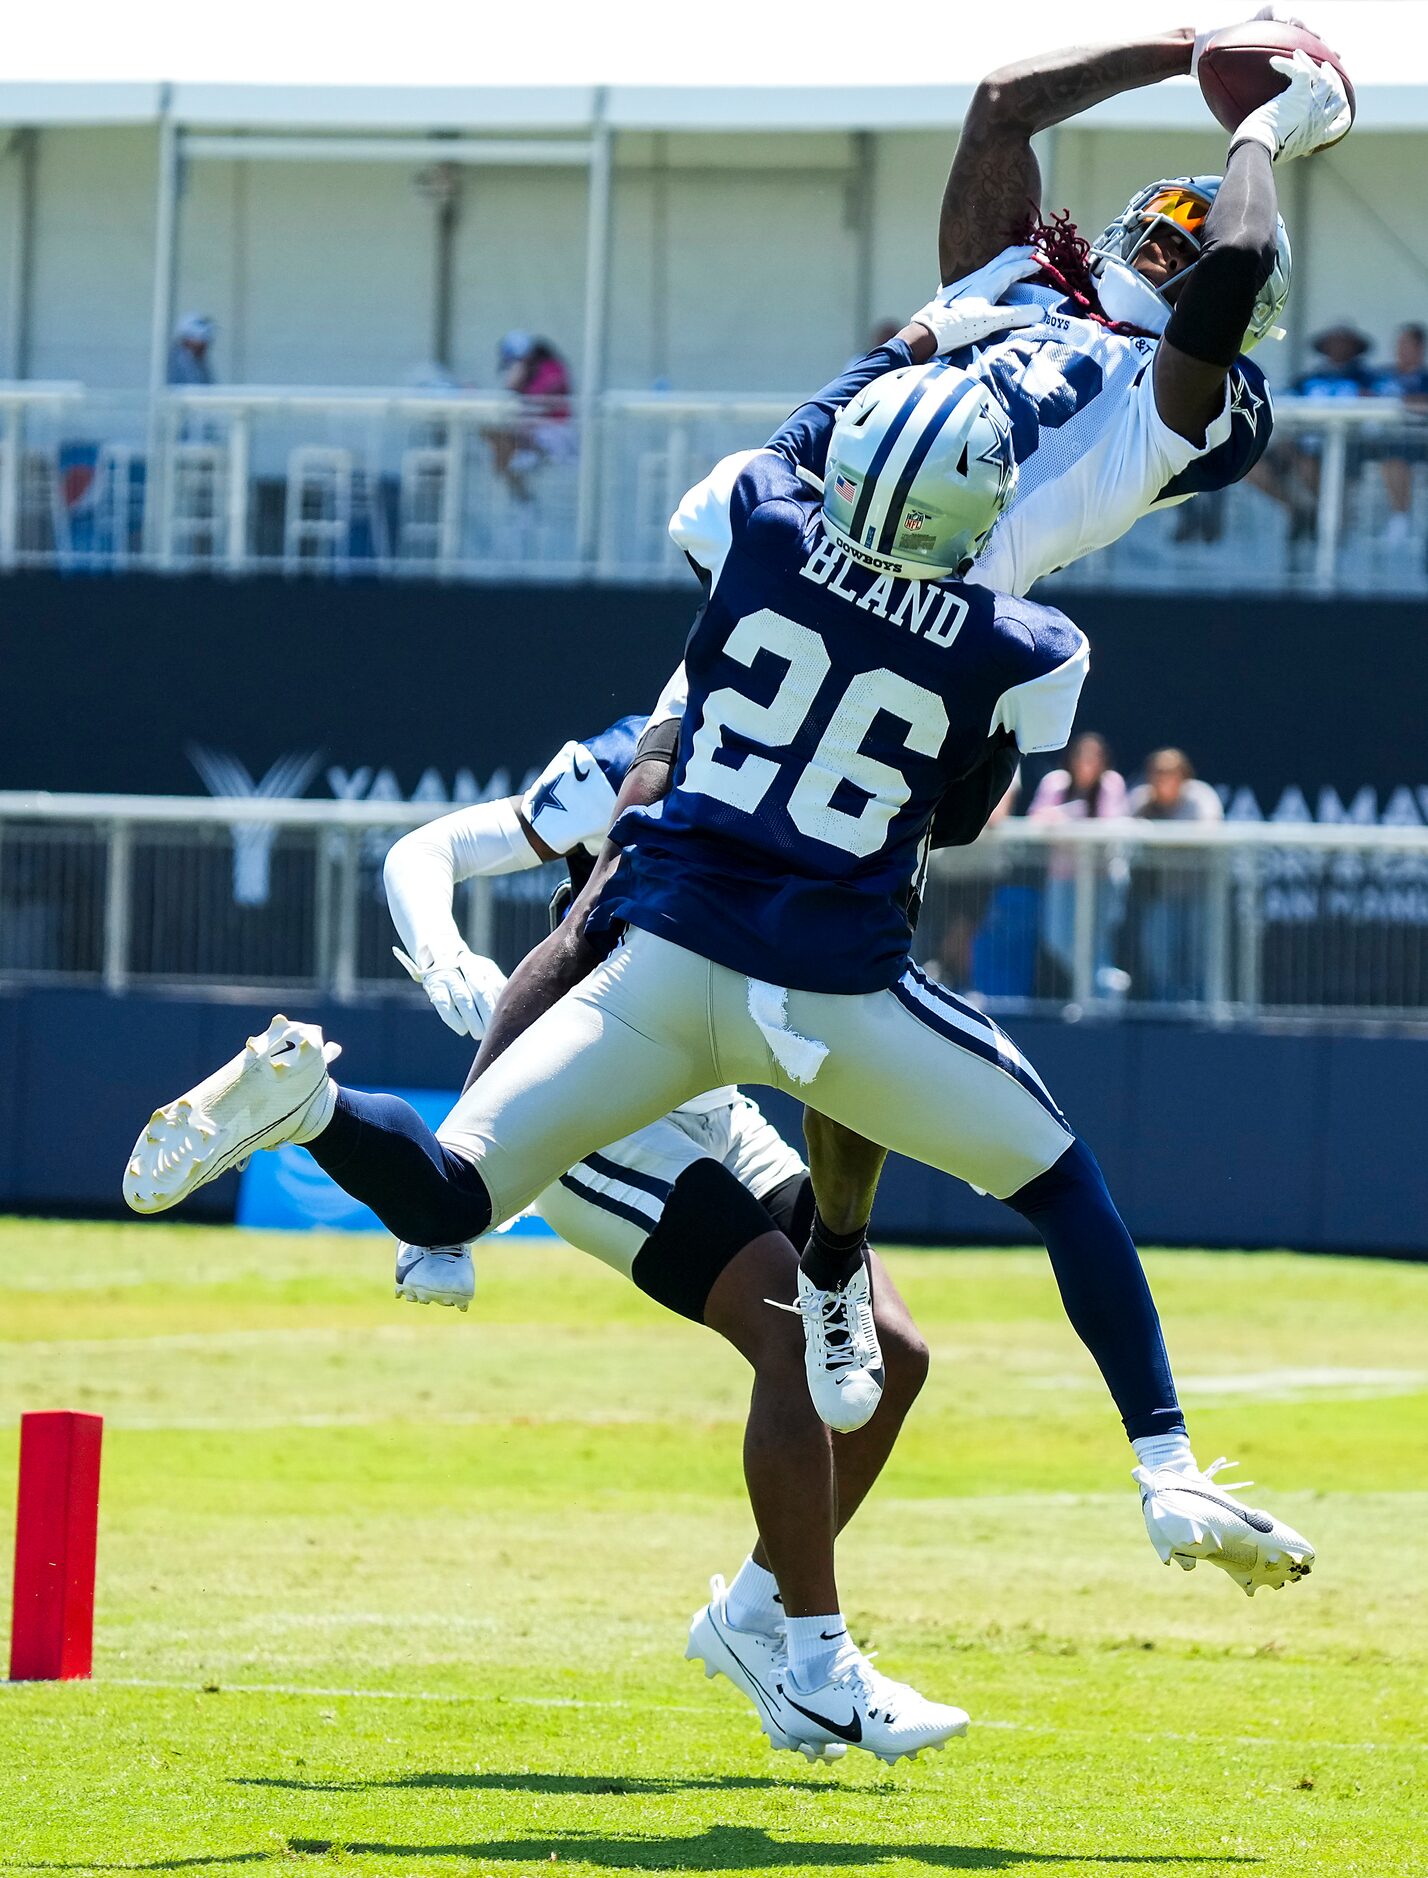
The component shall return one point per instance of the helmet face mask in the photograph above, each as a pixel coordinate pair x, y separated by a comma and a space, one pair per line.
1177, 206
920, 468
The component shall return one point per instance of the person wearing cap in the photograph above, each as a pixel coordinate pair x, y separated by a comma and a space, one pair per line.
531, 368
1341, 368
189, 362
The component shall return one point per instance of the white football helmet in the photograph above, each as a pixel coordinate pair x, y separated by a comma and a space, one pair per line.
1180, 203
920, 466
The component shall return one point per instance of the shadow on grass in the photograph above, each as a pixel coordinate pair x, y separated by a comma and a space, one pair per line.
196, 1863
750, 1848
531, 1783
718, 1848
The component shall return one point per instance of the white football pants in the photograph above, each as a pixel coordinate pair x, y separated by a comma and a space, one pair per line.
913, 1068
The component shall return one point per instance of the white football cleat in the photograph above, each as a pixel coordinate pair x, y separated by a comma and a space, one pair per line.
841, 1355
273, 1091
1190, 1517
868, 1710
753, 1662
435, 1274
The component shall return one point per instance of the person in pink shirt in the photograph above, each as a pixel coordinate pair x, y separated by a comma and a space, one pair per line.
1087, 787
533, 369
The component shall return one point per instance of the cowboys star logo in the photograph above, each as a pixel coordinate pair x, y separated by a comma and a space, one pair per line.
1244, 403
999, 453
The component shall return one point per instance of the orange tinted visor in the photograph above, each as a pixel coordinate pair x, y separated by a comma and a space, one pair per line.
1187, 211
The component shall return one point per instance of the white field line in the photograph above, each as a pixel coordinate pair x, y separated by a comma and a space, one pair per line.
206, 1341
386, 1695
1305, 1745
1282, 1384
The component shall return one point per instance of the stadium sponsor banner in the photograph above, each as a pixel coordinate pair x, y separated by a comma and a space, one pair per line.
1295, 709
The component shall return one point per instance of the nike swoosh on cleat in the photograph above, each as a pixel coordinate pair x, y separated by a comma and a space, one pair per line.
769, 1695
579, 774
1258, 1522
851, 1731
283, 1048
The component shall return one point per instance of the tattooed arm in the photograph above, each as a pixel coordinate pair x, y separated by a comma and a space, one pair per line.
995, 179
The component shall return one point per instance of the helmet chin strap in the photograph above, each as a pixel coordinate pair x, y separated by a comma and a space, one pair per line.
1128, 298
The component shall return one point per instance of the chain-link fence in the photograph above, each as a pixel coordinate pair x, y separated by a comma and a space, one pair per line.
1225, 921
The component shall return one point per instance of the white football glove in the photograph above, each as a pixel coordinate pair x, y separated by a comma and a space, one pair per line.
965, 312
1282, 14
463, 989
1312, 111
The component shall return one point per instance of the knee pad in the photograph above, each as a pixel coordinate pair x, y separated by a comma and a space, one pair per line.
707, 1221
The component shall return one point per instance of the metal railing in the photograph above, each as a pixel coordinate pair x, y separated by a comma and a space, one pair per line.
1228, 922
477, 486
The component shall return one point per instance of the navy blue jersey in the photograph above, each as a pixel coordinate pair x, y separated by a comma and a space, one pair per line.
829, 711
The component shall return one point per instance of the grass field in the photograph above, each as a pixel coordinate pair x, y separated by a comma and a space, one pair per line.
391, 1591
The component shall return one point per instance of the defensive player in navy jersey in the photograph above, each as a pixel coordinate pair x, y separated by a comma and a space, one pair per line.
837, 688
1132, 391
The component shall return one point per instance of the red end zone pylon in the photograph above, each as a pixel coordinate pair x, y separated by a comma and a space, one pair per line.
52, 1634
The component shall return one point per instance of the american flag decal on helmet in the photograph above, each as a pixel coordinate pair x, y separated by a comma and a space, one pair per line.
844, 487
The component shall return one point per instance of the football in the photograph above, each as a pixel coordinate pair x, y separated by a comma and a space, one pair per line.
1235, 73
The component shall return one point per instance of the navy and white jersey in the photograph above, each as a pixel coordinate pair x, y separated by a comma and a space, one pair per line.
570, 803
829, 710
1093, 452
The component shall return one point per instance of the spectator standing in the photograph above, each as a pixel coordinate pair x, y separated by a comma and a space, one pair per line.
1087, 789
189, 363
532, 368
1406, 379
1171, 932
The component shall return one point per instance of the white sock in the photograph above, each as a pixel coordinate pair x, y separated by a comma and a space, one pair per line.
753, 1600
1166, 1451
317, 1114
813, 1645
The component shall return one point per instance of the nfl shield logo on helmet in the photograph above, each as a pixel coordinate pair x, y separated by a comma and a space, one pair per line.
913, 521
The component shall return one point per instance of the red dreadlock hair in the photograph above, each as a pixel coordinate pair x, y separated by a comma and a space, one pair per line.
1068, 264
1068, 258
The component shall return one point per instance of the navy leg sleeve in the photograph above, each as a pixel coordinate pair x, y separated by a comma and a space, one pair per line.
378, 1149
1103, 1286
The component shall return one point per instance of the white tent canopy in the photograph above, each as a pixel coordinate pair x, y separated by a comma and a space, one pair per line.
636, 63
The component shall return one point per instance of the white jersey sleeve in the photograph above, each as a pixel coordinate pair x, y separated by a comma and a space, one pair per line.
571, 802
421, 871
701, 526
672, 699
1041, 712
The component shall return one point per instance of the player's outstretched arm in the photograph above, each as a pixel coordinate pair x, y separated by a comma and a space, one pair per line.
994, 180
1206, 331
420, 874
